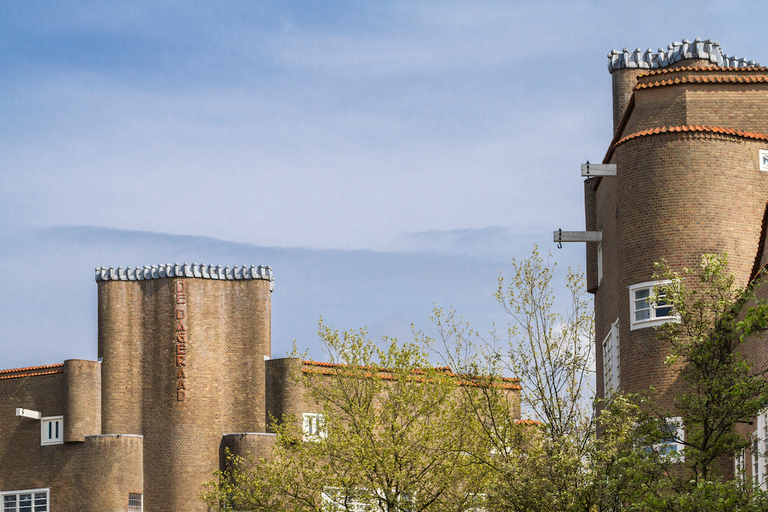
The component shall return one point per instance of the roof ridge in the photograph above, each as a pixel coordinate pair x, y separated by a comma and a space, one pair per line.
33, 374
503, 385
703, 80
32, 368
686, 128
383, 369
719, 69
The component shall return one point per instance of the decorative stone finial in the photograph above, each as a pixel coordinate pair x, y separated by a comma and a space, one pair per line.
186, 270
675, 52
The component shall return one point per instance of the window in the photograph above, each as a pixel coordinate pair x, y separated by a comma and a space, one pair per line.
314, 426
644, 311
672, 445
337, 500
52, 430
763, 158
760, 449
740, 465
35, 500
611, 361
362, 500
134, 502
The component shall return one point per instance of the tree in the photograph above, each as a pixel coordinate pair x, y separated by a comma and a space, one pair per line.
722, 388
395, 439
562, 464
721, 391
403, 435
542, 464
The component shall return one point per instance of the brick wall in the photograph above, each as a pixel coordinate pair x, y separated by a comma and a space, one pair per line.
93, 473
677, 196
184, 365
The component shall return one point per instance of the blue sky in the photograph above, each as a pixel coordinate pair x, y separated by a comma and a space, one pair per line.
455, 128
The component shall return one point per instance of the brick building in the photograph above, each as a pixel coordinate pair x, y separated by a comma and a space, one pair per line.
690, 147
184, 372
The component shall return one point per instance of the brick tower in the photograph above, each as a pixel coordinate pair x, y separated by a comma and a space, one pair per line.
690, 128
183, 350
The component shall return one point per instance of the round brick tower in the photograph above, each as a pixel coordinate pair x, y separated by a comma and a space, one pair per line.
183, 350
689, 126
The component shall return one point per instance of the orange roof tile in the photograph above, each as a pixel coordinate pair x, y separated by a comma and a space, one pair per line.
718, 69
528, 422
29, 368
717, 79
685, 128
32, 371
446, 369
384, 373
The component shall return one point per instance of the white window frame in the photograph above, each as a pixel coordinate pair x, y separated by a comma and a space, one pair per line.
314, 426
762, 159
740, 465
52, 425
33, 492
335, 500
611, 361
760, 451
653, 320
134, 508
675, 445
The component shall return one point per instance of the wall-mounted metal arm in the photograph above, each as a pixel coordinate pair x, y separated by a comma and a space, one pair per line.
28, 413
589, 169
577, 236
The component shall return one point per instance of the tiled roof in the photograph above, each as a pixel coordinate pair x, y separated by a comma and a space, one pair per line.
717, 69
683, 129
385, 373
717, 79
694, 128
30, 371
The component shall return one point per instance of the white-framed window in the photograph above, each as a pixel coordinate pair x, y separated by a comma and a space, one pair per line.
763, 159
135, 502
645, 312
599, 263
33, 500
314, 426
673, 445
362, 500
336, 500
740, 465
760, 450
52, 430
611, 361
